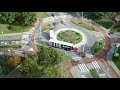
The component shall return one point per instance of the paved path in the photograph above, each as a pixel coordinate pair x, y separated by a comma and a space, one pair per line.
17, 36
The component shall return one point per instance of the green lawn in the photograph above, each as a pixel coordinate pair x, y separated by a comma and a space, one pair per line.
116, 60
11, 46
48, 26
72, 36
84, 25
97, 47
5, 28
43, 14
116, 28
94, 73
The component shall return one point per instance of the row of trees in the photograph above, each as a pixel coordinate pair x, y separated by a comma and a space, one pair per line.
107, 14
18, 18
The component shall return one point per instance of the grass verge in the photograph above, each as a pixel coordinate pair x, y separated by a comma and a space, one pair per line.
97, 47
11, 46
84, 25
94, 73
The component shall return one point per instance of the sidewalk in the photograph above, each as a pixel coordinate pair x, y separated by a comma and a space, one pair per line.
109, 59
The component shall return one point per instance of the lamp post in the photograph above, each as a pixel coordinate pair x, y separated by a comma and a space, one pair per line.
90, 22
82, 15
84, 47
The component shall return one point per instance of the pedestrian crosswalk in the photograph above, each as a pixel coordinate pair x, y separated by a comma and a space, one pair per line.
95, 64
83, 67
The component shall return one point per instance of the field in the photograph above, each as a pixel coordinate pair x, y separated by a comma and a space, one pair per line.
42, 14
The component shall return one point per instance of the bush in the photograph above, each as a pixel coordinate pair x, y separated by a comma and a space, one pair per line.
11, 46
94, 73
47, 27
97, 47
82, 55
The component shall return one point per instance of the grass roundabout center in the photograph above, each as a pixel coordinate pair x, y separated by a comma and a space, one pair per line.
69, 36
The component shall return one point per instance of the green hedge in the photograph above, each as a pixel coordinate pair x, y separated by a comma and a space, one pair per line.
84, 25
97, 47
11, 46
47, 27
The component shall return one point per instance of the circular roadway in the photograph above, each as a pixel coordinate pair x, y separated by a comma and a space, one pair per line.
81, 43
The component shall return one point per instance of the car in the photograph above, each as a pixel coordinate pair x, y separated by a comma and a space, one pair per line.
52, 14
111, 33
55, 23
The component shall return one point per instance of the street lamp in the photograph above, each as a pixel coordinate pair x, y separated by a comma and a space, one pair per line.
84, 47
82, 14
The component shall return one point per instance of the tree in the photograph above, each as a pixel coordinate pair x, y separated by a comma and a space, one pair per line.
19, 18
48, 56
30, 68
13, 61
56, 71
7, 17
26, 18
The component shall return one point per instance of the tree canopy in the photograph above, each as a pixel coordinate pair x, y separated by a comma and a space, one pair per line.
0, 70
30, 68
13, 61
48, 56
19, 18
56, 71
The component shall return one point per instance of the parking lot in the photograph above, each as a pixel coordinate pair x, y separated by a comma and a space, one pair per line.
2, 43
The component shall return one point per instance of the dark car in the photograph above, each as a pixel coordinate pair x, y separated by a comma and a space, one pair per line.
55, 23
52, 14
111, 33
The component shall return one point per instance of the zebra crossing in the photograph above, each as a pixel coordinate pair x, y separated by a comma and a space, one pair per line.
83, 67
96, 65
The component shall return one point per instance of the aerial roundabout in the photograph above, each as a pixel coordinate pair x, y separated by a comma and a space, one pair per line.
73, 37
